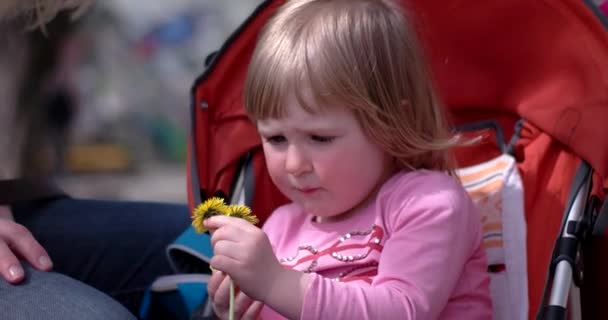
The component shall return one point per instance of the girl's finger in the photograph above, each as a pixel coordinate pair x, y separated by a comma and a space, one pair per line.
230, 233
253, 311
222, 295
241, 304
234, 250
216, 222
214, 283
225, 264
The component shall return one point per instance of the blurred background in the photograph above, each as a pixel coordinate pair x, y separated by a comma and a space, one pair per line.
112, 121
106, 96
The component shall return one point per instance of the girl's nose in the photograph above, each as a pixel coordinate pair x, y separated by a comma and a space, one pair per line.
296, 163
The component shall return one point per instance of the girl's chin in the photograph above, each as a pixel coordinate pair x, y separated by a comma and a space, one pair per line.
320, 214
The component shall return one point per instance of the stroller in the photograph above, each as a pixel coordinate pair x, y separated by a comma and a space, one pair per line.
531, 77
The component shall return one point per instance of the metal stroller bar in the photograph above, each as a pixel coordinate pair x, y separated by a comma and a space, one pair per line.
568, 247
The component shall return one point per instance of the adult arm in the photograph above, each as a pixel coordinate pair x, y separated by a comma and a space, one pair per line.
17, 241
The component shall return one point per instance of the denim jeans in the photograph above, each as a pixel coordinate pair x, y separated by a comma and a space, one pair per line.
115, 247
52, 296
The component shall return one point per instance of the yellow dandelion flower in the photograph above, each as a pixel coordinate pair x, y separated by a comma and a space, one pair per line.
217, 206
211, 207
243, 212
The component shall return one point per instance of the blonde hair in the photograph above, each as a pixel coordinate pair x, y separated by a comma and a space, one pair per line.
361, 54
39, 12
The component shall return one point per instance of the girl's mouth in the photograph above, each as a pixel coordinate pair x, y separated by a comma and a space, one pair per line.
308, 191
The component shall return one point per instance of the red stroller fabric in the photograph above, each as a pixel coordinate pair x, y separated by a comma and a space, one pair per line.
544, 61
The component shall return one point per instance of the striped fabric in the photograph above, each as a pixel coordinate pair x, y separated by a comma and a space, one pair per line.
495, 186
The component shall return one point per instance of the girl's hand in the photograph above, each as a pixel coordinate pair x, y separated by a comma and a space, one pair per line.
16, 241
219, 292
243, 251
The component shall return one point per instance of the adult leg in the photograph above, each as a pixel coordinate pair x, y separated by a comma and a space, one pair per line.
49, 295
116, 247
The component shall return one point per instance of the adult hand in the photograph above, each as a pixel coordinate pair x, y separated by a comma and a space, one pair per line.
245, 308
17, 241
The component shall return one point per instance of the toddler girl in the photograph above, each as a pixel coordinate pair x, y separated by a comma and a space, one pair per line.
354, 135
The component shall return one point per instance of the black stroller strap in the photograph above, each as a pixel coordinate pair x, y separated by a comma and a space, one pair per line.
195, 185
249, 180
582, 174
596, 10
601, 224
486, 124
510, 149
21, 190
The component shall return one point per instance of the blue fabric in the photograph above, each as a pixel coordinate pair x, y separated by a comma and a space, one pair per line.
116, 247
193, 294
52, 296
187, 296
146, 303
170, 304
200, 242
178, 304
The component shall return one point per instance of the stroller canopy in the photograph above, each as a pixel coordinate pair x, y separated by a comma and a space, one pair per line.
545, 61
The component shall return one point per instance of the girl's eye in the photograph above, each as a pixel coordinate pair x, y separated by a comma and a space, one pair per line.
276, 139
322, 139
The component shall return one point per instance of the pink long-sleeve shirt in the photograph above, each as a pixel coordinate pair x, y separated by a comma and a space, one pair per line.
413, 253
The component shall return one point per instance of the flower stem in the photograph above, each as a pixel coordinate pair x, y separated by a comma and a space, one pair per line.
231, 307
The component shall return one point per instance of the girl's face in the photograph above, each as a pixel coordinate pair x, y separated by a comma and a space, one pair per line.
323, 161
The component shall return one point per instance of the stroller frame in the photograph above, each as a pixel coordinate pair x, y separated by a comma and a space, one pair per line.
565, 274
